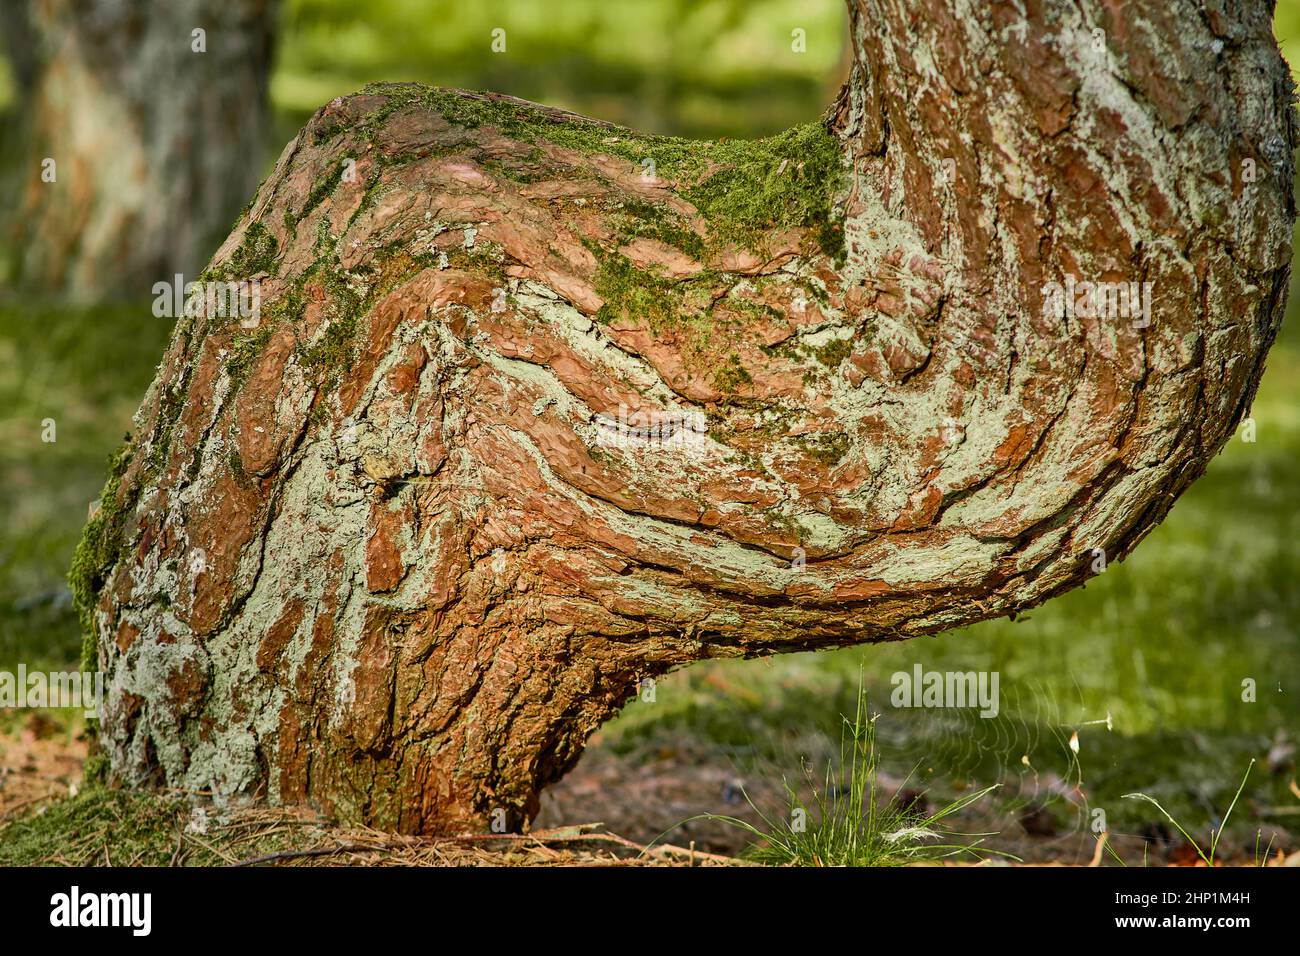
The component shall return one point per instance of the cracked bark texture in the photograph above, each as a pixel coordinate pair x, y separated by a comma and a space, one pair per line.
373, 553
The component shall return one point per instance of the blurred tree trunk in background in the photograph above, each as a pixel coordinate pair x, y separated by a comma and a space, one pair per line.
156, 134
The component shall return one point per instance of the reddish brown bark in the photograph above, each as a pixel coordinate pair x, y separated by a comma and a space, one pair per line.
378, 554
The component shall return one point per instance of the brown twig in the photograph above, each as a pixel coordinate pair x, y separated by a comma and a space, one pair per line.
315, 851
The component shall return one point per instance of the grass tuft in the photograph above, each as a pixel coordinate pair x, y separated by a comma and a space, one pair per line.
849, 822
1206, 854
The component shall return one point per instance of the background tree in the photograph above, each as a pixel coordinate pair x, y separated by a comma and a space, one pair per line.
156, 135
391, 552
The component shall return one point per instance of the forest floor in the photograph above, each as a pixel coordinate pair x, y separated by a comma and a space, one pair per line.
654, 808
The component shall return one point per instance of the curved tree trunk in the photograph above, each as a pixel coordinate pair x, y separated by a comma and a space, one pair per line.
156, 137
397, 552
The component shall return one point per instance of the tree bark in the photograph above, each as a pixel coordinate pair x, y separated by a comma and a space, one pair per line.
396, 552
155, 145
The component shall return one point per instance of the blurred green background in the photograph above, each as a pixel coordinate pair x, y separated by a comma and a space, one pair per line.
1160, 644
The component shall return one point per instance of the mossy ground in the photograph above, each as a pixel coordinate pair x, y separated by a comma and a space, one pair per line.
105, 827
77, 831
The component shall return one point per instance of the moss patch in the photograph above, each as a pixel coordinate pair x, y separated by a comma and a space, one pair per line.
102, 826
834, 352
134, 828
684, 305
732, 376
256, 252
329, 355
828, 448
244, 350
322, 188
99, 549
635, 293
519, 169
643, 220
742, 187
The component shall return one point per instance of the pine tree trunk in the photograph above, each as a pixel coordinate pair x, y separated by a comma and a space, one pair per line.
525, 421
138, 140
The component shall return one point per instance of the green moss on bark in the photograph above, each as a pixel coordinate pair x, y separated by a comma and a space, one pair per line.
732, 376
834, 352
99, 549
256, 252
743, 188
635, 293
245, 348
828, 448
644, 220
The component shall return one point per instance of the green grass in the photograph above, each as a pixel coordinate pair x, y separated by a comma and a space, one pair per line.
86, 369
1216, 831
846, 819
